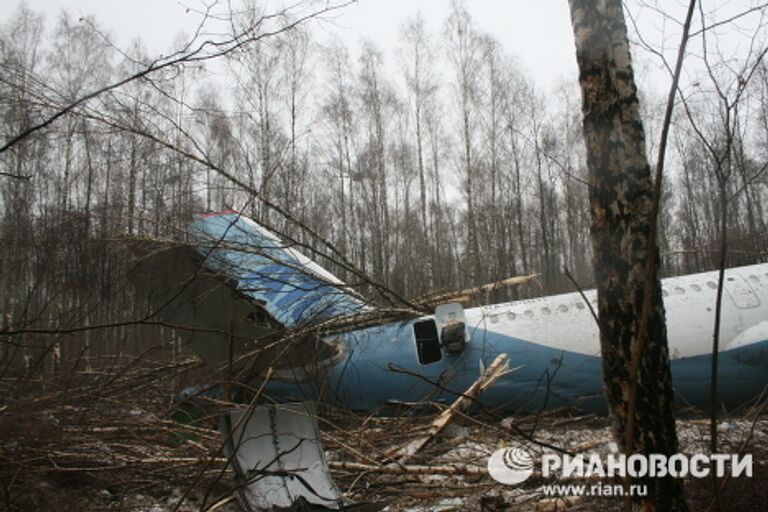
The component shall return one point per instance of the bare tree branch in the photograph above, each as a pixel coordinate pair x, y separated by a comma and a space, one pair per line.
220, 49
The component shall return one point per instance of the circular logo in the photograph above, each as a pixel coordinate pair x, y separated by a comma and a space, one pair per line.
510, 466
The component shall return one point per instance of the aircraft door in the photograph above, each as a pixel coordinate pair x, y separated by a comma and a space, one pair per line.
741, 293
445, 333
427, 341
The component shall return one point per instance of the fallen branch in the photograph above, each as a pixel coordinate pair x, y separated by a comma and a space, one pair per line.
409, 468
496, 370
465, 295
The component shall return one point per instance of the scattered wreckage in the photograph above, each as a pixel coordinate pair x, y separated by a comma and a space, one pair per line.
293, 334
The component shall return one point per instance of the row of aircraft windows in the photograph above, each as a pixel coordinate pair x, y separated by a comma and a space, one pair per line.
545, 311
562, 308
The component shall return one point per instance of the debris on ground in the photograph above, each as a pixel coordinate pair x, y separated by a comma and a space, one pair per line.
108, 446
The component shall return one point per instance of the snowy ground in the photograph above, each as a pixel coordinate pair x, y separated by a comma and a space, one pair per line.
468, 441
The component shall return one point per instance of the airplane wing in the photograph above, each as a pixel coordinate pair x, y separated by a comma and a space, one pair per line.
294, 290
202, 306
237, 287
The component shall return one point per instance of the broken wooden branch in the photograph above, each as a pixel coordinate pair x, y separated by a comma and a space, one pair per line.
463, 296
496, 370
409, 468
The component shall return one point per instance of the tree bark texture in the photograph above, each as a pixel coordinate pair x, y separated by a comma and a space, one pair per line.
620, 204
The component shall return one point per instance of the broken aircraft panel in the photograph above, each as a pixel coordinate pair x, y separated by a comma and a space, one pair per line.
276, 453
553, 339
238, 271
294, 290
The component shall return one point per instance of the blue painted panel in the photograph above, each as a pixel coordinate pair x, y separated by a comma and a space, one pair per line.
548, 378
382, 366
292, 291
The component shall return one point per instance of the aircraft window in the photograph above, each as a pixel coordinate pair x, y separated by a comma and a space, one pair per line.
579, 305
562, 308
427, 342
679, 290
695, 287
730, 279
528, 313
494, 319
546, 311
511, 316
712, 284
754, 279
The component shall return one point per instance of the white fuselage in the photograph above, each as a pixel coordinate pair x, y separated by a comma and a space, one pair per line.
565, 322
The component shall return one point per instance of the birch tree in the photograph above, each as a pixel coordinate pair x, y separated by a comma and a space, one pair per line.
621, 204
417, 53
464, 53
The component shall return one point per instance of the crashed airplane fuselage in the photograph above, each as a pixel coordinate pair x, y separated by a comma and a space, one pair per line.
243, 283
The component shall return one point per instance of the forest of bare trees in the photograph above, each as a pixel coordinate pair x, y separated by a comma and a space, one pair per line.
455, 170
434, 166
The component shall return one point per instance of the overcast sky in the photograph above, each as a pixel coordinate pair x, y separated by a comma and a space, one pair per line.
538, 33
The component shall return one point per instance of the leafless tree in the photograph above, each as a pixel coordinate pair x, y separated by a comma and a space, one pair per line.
638, 388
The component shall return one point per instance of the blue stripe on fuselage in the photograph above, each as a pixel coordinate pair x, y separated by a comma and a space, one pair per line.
382, 365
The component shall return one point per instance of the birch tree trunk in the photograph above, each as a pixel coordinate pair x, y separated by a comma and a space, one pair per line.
621, 204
